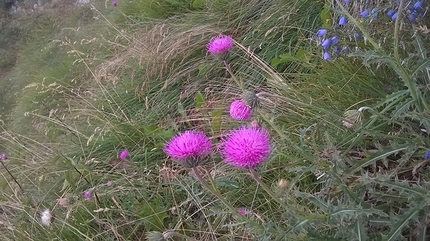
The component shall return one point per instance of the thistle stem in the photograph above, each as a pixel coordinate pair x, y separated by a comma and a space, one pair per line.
266, 188
214, 191
228, 68
14, 179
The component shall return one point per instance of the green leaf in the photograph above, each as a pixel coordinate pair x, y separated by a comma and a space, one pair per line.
200, 100
302, 54
420, 48
361, 231
181, 110
203, 69
153, 214
227, 183
325, 16
397, 228
425, 63
216, 121
377, 156
199, 3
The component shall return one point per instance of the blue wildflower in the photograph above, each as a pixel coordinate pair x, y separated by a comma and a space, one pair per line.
374, 12
326, 44
390, 13
347, 1
357, 36
337, 50
365, 13
413, 16
427, 155
342, 21
394, 17
418, 5
326, 56
335, 40
322, 32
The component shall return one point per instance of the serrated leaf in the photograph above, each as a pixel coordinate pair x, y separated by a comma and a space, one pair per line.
402, 110
361, 231
377, 156
323, 205
359, 211
397, 228
227, 183
404, 186
419, 46
425, 63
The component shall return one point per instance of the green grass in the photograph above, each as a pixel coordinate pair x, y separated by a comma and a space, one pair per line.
90, 82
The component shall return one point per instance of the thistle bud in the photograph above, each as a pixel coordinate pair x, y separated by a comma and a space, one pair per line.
251, 99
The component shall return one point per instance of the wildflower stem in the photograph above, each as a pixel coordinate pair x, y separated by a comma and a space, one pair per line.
396, 31
14, 179
265, 187
359, 25
214, 191
228, 68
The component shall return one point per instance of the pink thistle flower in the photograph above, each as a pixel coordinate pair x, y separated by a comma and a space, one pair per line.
4, 156
220, 45
242, 211
63, 202
87, 195
109, 183
124, 154
189, 146
240, 111
247, 147
114, 3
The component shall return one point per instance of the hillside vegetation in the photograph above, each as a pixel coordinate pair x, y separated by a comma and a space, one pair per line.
117, 120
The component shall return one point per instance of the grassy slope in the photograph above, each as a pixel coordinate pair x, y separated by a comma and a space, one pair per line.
89, 83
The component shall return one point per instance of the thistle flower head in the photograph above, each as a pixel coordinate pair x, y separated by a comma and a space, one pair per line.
251, 99
87, 195
353, 117
220, 45
4, 156
124, 155
189, 148
114, 3
46, 217
240, 111
247, 147
242, 211
63, 202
